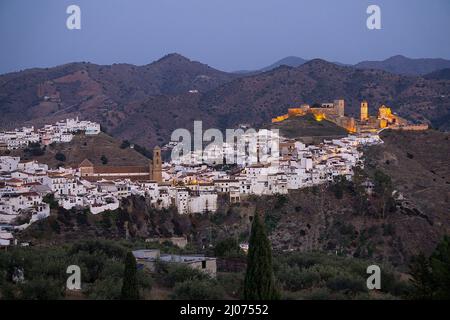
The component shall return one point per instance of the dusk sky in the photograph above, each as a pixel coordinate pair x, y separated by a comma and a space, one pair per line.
226, 34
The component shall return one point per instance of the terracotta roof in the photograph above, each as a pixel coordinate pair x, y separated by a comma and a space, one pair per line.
29, 194
122, 169
95, 179
32, 184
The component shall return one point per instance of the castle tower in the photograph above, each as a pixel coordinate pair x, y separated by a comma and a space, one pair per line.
157, 164
339, 107
364, 111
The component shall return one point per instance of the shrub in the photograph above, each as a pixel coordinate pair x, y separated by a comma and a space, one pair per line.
174, 273
106, 289
228, 247
232, 283
60, 157
104, 160
346, 283
125, 144
198, 290
41, 289
295, 279
50, 199
318, 294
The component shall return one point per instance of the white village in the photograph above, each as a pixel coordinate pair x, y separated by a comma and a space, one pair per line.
191, 182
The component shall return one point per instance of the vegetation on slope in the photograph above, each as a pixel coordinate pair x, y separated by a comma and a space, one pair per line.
306, 126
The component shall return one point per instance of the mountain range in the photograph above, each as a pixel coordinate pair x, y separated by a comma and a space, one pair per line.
407, 66
290, 61
397, 64
144, 104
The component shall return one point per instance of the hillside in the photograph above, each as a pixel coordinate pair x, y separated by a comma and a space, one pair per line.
256, 99
307, 129
406, 66
336, 219
443, 74
98, 92
419, 166
87, 147
145, 104
288, 61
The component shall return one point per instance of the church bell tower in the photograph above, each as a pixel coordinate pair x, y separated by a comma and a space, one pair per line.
157, 164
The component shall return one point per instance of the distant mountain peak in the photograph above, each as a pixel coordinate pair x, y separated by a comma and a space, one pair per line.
174, 57
290, 61
398, 57
400, 64
319, 63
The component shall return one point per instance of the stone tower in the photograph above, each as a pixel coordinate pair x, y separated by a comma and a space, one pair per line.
339, 107
364, 111
157, 164
150, 169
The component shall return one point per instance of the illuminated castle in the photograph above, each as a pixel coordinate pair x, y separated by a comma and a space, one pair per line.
364, 111
335, 111
325, 111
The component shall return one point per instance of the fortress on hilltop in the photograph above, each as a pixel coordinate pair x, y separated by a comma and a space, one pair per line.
335, 112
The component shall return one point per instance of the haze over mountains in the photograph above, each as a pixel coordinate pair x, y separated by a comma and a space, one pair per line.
290, 61
144, 104
397, 64
403, 65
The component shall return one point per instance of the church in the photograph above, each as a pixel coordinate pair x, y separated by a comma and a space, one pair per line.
151, 172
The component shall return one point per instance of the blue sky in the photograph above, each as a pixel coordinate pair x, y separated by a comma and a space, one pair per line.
226, 34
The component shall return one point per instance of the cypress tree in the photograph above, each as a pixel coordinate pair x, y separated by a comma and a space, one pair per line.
130, 290
259, 281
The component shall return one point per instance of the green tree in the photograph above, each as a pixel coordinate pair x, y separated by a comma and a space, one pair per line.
104, 159
60, 157
431, 276
259, 283
50, 199
130, 290
421, 280
227, 247
362, 203
440, 266
383, 188
125, 144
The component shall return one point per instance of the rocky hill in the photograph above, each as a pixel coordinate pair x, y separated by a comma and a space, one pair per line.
308, 130
145, 104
